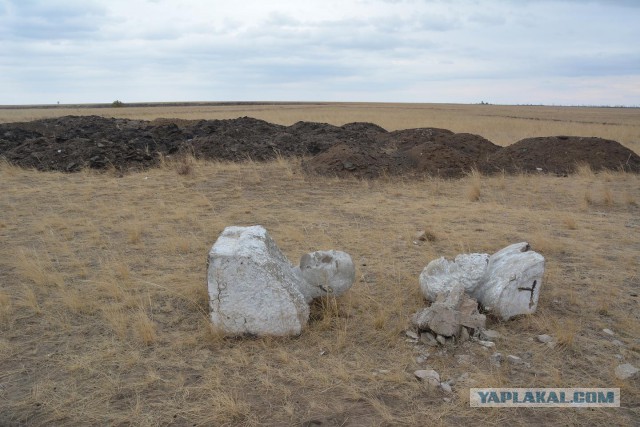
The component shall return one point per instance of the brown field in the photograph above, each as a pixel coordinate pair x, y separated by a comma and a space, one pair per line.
103, 303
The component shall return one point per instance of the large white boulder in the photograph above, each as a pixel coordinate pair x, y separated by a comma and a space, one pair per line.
507, 282
440, 275
512, 281
253, 288
326, 272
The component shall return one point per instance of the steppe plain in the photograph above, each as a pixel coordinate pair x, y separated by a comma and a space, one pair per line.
103, 302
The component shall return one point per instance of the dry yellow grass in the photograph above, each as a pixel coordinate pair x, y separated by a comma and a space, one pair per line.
103, 302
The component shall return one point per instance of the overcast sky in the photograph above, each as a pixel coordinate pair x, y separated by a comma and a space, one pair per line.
567, 52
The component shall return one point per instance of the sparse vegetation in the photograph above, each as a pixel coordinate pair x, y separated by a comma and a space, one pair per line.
104, 311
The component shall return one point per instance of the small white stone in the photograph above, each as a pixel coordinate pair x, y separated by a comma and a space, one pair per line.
496, 359
446, 388
428, 376
515, 360
608, 331
487, 344
421, 359
626, 371
428, 339
412, 335
545, 338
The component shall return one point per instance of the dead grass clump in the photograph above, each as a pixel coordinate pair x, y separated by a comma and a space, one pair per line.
144, 328
583, 170
569, 222
607, 197
77, 302
474, 186
185, 165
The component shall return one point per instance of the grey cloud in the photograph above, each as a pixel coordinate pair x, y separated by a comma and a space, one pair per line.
52, 20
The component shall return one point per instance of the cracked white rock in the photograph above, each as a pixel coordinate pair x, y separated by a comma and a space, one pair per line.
254, 289
507, 282
326, 272
512, 282
252, 286
441, 275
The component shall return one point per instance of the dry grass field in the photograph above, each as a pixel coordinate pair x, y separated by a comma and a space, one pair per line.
103, 302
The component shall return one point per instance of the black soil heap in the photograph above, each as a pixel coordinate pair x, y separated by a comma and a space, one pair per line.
356, 149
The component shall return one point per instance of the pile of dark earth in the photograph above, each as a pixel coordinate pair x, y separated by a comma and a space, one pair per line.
362, 150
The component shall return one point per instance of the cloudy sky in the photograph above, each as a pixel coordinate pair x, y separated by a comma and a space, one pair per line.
568, 52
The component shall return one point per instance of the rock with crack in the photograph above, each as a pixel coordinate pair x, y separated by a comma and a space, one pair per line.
326, 272
254, 289
513, 280
451, 310
440, 275
507, 282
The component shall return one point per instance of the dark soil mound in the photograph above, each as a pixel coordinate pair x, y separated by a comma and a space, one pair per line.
560, 155
425, 151
355, 149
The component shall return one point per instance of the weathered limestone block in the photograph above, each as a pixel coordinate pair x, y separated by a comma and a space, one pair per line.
253, 288
440, 275
507, 282
326, 272
512, 281
451, 310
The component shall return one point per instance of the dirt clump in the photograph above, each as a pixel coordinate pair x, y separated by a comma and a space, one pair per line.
359, 149
561, 155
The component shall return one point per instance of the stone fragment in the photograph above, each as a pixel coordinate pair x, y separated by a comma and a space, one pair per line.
451, 311
626, 371
441, 275
412, 335
446, 387
252, 286
608, 331
496, 359
512, 282
428, 376
326, 272
545, 338
515, 360
428, 339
